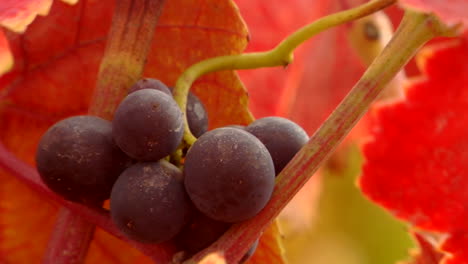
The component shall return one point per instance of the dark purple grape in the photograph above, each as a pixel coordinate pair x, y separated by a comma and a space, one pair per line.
282, 137
200, 232
149, 83
250, 252
77, 159
148, 125
196, 115
229, 175
148, 202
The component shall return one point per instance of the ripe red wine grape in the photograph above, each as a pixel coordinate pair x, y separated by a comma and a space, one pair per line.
148, 202
77, 159
148, 125
149, 83
200, 232
229, 174
282, 137
197, 116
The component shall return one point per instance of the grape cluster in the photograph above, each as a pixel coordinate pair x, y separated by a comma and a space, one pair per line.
226, 176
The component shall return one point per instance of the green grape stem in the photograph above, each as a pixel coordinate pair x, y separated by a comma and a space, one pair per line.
414, 30
281, 55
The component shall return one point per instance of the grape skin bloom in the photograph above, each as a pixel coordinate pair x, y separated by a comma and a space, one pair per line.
77, 159
229, 175
148, 125
148, 202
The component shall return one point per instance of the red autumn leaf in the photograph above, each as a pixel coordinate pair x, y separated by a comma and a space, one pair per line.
16, 15
323, 71
416, 162
270, 23
309, 88
450, 11
56, 65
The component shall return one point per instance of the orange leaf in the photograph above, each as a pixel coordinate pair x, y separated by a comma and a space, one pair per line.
16, 15
269, 249
56, 65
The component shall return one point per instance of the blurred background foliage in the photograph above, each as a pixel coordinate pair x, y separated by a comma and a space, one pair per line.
347, 227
